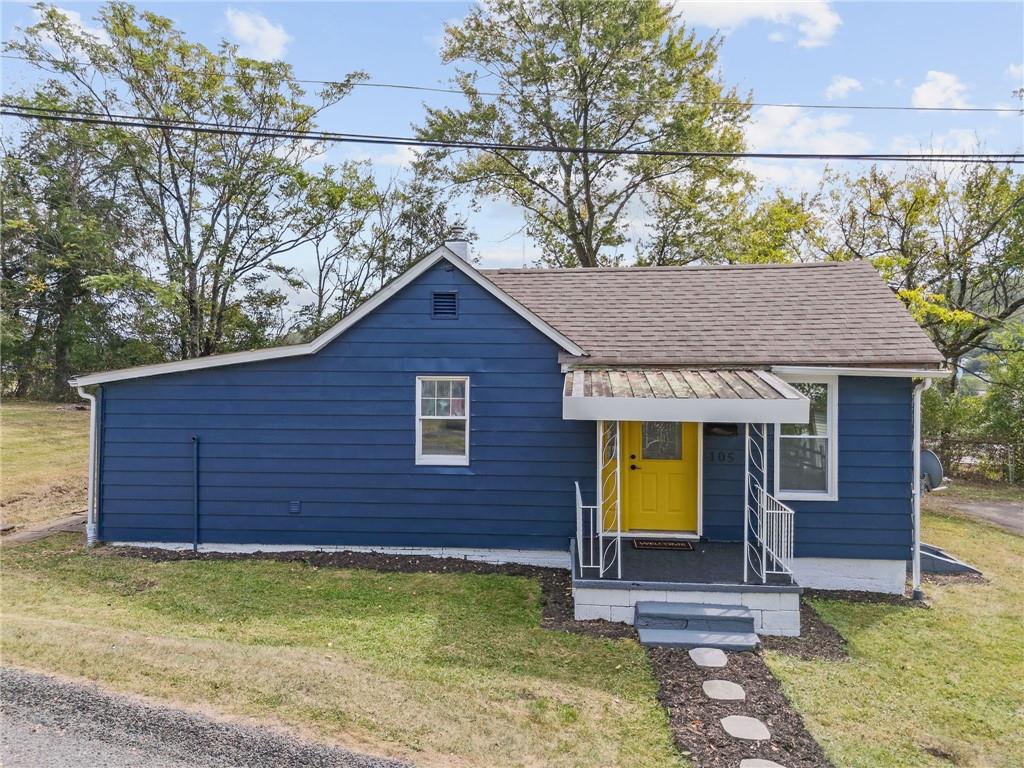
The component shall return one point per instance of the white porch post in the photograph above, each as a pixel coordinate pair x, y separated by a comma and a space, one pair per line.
618, 497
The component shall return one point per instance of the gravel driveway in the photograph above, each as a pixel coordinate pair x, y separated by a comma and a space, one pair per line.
1005, 514
47, 722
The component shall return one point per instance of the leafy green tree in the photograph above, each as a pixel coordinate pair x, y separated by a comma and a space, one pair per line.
950, 241
1004, 401
66, 219
225, 207
589, 74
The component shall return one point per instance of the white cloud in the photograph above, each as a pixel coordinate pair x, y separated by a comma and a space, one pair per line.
1015, 72
841, 87
815, 20
258, 36
781, 129
940, 89
955, 141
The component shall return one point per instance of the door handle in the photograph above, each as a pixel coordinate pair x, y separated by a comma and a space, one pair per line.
633, 466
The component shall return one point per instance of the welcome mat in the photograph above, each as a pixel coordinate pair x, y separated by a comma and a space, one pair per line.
684, 546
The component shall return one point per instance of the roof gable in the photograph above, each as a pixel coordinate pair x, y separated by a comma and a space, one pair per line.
442, 253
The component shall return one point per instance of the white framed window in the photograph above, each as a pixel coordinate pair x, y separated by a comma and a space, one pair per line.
442, 420
807, 454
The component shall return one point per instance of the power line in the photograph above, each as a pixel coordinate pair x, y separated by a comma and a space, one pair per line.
141, 121
459, 92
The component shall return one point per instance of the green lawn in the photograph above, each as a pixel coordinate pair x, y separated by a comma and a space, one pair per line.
936, 687
43, 461
444, 669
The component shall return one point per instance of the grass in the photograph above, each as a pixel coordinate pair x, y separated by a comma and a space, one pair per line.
973, 490
936, 687
43, 462
443, 669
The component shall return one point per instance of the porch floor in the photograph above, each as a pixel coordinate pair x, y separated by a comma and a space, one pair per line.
719, 563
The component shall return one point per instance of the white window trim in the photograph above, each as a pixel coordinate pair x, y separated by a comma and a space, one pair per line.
433, 460
832, 494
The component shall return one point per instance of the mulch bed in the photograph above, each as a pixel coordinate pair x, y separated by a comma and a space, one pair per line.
695, 718
817, 639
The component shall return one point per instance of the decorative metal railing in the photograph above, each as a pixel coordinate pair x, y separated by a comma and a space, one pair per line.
599, 526
767, 523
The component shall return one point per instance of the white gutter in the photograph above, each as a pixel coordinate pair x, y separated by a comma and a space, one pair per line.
919, 388
813, 370
91, 528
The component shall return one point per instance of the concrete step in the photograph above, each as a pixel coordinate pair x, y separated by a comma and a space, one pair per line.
692, 638
693, 616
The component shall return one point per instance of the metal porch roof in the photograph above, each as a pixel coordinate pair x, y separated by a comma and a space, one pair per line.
676, 394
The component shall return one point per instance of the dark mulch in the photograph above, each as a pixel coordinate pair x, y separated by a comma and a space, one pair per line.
555, 583
817, 640
953, 578
695, 719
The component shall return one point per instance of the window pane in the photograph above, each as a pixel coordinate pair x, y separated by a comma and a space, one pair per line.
818, 422
429, 388
458, 406
444, 389
444, 437
803, 464
458, 389
427, 407
443, 407
662, 440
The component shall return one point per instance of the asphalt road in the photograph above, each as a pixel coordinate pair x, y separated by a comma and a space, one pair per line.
57, 724
1005, 514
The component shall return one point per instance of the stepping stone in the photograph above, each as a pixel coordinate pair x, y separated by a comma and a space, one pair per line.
743, 727
723, 690
758, 762
708, 657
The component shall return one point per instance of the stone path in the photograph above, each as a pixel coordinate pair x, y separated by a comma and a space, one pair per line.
737, 726
708, 657
723, 690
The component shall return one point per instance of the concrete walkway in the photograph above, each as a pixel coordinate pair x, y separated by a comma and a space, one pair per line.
71, 524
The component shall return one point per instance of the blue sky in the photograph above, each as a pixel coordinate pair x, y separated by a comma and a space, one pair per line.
909, 53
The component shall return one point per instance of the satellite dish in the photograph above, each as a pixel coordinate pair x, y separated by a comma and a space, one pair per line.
931, 471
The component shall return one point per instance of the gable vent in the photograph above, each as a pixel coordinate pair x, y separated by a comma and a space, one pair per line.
445, 304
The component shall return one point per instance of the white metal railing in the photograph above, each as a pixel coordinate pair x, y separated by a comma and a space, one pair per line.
599, 526
767, 523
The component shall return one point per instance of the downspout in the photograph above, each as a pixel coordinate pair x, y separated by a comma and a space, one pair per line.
91, 527
919, 389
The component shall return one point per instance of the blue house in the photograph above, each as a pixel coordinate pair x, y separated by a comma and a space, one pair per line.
695, 436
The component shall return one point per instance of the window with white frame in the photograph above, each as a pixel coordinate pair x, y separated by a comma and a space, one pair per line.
442, 420
806, 453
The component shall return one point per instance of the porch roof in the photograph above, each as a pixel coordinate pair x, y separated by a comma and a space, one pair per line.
676, 394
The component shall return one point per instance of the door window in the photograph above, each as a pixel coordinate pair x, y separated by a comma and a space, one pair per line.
662, 440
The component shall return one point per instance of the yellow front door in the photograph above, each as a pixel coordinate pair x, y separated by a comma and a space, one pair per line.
659, 476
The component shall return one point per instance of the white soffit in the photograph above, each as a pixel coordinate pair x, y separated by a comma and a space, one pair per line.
675, 394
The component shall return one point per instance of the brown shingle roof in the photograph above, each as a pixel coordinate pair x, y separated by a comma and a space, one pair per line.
793, 314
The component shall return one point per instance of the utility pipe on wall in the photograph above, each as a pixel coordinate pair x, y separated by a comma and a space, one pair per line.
919, 388
91, 528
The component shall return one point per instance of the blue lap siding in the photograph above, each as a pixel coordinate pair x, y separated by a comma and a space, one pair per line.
335, 431
872, 517
320, 449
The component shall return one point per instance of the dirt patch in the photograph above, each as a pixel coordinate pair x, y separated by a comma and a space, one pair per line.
953, 578
817, 640
695, 718
555, 583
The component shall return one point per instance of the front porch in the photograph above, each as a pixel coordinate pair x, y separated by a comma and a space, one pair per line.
711, 574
